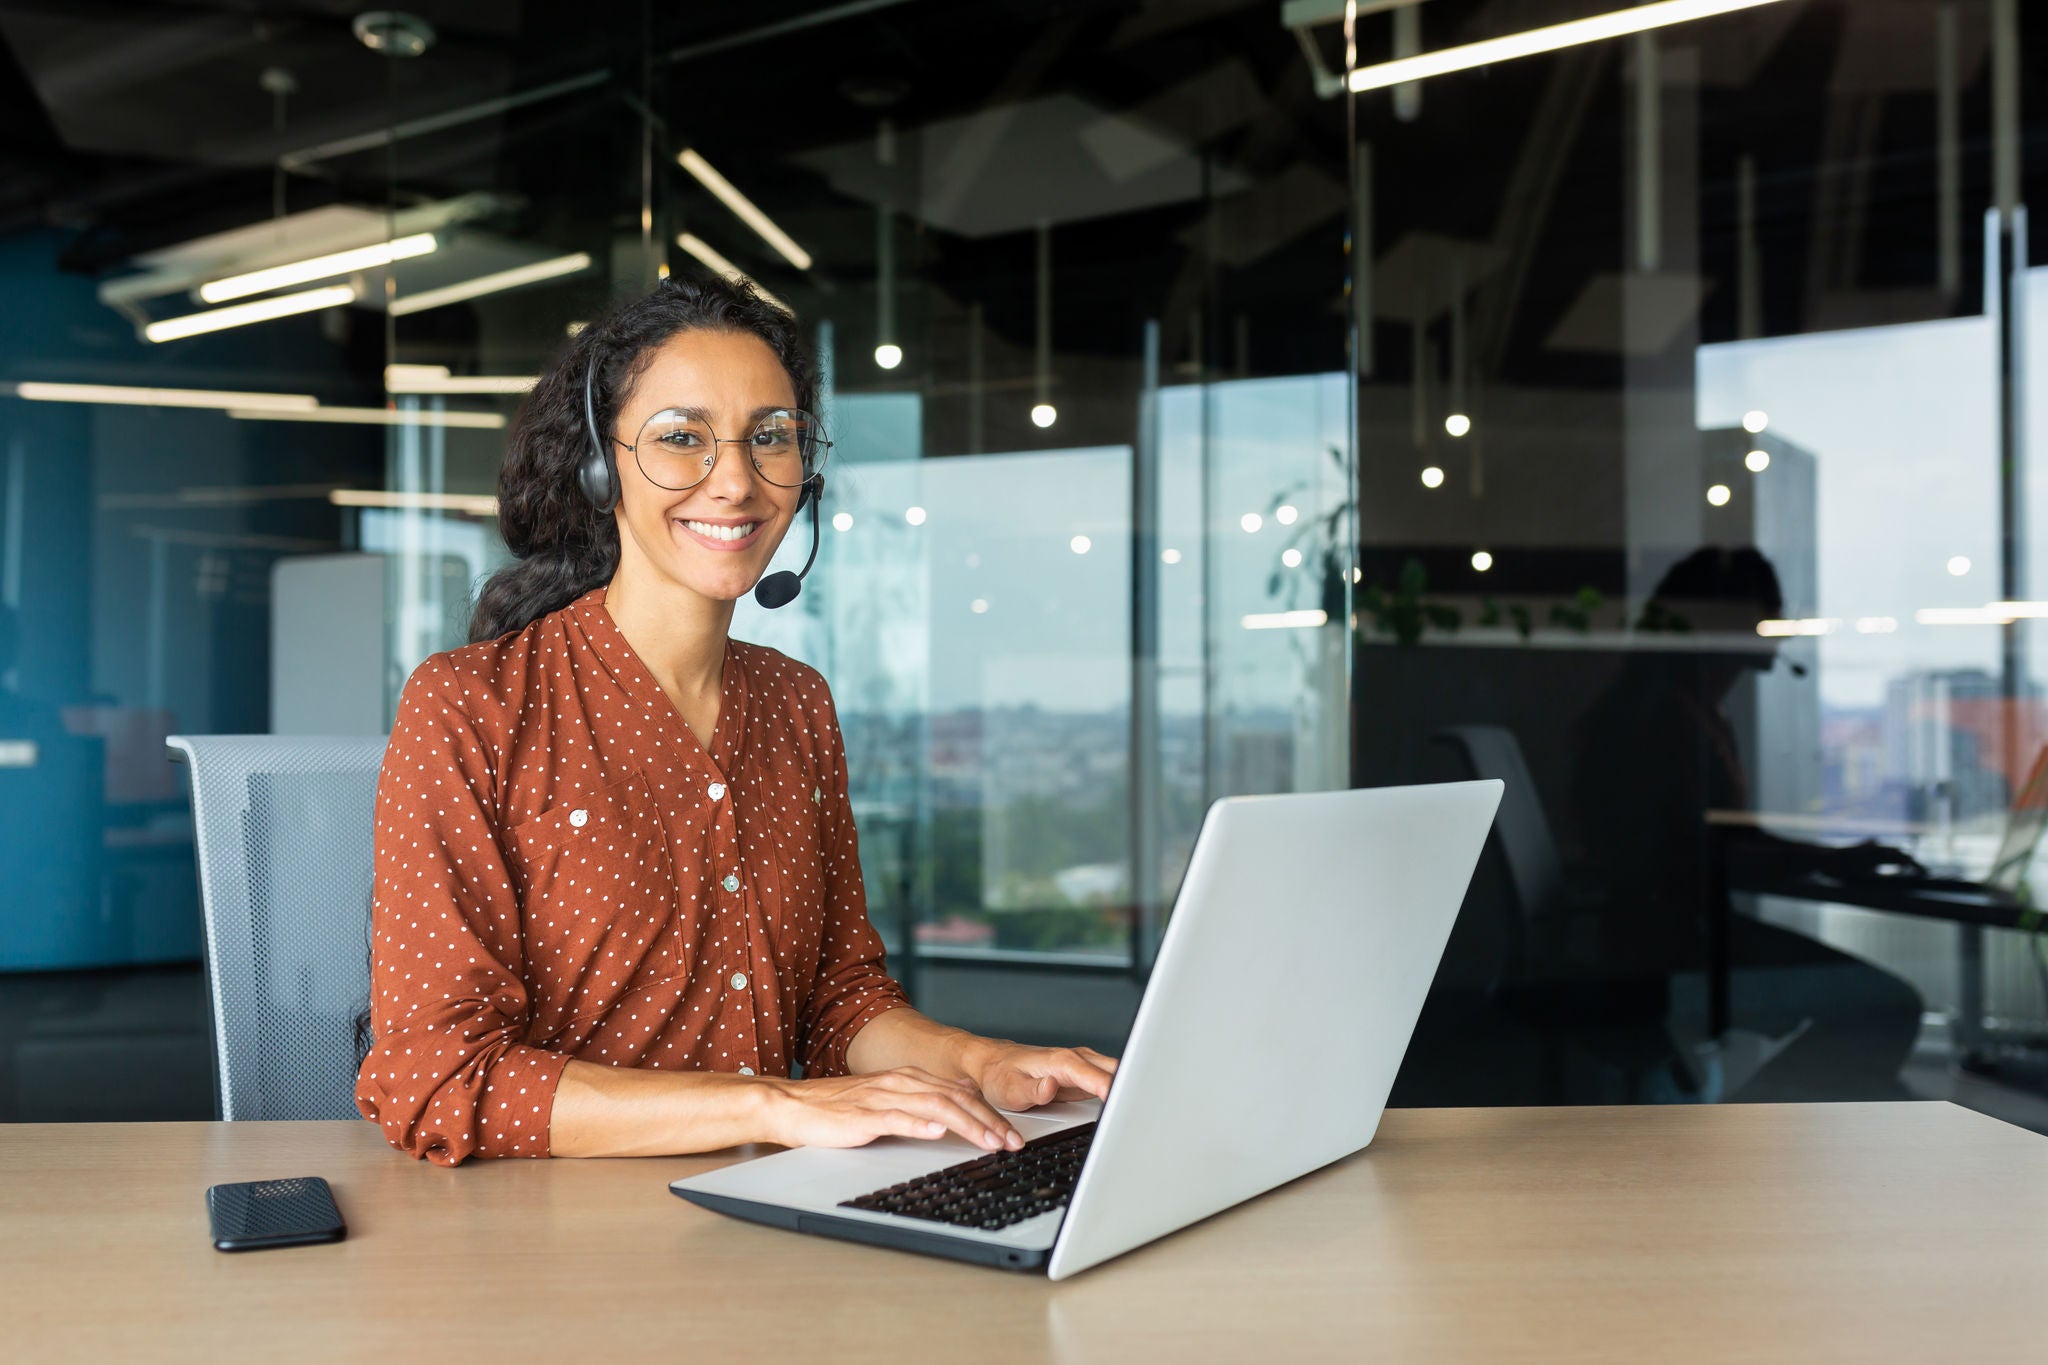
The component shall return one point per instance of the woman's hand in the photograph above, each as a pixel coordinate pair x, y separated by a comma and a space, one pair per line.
906, 1101
1013, 1076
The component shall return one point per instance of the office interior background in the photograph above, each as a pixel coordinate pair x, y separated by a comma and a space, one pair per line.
1653, 419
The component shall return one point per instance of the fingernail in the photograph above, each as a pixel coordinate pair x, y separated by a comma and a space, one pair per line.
935, 1127
988, 1135
1016, 1141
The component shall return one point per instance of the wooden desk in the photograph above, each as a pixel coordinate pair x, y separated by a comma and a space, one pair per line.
1857, 1233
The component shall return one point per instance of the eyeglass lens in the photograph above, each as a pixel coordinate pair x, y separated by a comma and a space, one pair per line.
677, 450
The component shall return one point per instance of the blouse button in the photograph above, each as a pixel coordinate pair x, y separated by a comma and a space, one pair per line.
579, 818
731, 883
739, 981
716, 791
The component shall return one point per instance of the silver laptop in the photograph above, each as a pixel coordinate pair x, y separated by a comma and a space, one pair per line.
1287, 984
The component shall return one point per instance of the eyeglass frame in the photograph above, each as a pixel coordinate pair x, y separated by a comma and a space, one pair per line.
812, 468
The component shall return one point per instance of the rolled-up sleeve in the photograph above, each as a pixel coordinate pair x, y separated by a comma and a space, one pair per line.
852, 985
448, 1075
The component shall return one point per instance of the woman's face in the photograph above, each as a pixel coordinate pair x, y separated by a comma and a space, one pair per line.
717, 537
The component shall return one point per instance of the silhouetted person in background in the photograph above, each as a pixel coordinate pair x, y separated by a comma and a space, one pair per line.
1656, 754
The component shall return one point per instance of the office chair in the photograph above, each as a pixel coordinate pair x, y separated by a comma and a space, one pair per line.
284, 826
1555, 983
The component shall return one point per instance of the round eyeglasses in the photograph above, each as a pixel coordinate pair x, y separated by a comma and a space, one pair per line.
676, 447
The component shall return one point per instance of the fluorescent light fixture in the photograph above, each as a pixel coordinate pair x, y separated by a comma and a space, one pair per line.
378, 417
914, 515
1432, 477
1719, 494
494, 283
842, 521
242, 314
1169, 556
711, 257
1757, 461
1044, 415
1458, 425
1601, 26
1812, 625
474, 504
888, 355
744, 208
317, 268
1959, 566
1876, 625
1755, 420
1962, 616
1481, 561
1080, 545
2020, 611
1286, 514
1286, 620
130, 396
1251, 521
1291, 557
436, 379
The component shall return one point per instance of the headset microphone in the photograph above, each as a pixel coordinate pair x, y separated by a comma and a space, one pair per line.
780, 589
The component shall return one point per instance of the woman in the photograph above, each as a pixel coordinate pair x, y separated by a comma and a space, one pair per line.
617, 891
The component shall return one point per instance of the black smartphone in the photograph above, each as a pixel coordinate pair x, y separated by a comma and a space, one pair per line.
256, 1214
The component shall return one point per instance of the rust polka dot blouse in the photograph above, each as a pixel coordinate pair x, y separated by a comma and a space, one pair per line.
562, 870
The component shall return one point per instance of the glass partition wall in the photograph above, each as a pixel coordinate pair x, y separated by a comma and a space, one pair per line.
1697, 415
1217, 410
1077, 278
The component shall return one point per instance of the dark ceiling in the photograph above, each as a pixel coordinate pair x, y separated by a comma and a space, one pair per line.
1178, 147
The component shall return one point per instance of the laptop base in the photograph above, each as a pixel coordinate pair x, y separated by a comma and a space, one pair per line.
872, 1233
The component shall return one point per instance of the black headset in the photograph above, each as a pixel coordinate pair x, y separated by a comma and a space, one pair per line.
598, 477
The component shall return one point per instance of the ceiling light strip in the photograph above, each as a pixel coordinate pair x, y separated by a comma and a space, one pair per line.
710, 256
380, 417
1286, 620
436, 379
128, 395
744, 207
317, 268
1661, 14
241, 314
552, 268
475, 504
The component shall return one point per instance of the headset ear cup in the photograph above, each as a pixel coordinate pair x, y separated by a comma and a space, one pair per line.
597, 475
600, 485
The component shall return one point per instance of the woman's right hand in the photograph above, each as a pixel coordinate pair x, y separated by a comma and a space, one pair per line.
851, 1111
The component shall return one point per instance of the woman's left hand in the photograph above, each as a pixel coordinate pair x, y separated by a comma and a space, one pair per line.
1013, 1076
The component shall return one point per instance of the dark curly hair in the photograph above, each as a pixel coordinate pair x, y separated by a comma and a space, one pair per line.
565, 546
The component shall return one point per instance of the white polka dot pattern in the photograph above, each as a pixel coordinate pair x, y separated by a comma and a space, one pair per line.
556, 878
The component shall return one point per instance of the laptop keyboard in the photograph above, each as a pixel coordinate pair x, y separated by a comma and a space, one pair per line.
994, 1191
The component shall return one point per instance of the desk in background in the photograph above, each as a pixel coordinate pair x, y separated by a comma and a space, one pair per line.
1971, 912
1850, 1232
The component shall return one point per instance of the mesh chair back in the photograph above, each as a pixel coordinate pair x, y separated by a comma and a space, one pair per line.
1521, 829
284, 825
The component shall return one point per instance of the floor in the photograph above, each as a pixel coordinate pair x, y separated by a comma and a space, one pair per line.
132, 1045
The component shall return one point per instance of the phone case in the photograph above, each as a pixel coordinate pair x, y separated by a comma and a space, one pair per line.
257, 1214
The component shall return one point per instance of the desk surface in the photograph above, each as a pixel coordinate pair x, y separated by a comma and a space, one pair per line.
1985, 908
1854, 1232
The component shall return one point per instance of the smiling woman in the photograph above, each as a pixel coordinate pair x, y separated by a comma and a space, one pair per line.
618, 892
557, 490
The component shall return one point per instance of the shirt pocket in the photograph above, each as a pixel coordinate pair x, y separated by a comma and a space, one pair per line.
597, 900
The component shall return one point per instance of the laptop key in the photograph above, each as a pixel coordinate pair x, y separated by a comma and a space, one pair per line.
993, 1191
